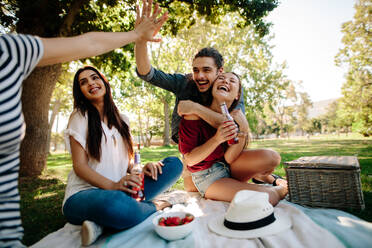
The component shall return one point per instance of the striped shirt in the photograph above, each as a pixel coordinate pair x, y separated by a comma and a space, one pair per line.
19, 54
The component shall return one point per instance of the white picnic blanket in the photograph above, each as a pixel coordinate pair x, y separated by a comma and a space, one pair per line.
305, 232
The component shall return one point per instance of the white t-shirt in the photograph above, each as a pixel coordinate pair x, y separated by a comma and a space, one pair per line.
114, 153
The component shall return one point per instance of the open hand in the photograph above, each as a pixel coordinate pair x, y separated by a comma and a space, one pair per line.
153, 169
147, 25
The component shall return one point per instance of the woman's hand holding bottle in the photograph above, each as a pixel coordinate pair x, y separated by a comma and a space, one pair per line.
127, 182
226, 131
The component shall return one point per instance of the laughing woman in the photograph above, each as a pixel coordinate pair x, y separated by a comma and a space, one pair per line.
212, 163
99, 186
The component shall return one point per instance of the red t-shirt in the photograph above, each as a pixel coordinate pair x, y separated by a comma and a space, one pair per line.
193, 133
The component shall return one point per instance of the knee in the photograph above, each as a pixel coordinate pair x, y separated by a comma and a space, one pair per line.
274, 158
173, 164
119, 211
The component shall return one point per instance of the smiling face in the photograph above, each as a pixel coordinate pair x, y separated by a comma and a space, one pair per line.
204, 72
226, 88
91, 85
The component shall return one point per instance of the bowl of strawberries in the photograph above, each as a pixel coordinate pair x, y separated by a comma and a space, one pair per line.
173, 225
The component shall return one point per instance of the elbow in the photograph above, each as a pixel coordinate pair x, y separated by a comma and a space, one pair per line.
77, 169
229, 160
188, 160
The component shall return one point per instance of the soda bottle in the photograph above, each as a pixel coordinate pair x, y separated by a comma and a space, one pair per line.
138, 170
227, 115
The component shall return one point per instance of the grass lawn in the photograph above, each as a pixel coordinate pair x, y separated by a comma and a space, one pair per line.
41, 198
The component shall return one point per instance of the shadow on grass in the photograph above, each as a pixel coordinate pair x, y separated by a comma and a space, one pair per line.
41, 202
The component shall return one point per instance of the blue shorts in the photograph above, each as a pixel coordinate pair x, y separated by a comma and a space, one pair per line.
203, 179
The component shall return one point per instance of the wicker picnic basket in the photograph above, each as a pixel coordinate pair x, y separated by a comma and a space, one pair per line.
325, 181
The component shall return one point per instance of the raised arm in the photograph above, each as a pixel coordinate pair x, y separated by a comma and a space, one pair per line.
142, 58
59, 50
141, 53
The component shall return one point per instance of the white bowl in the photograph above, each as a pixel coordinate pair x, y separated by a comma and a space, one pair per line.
173, 232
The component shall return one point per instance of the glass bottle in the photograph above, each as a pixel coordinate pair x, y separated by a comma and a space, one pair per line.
225, 112
138, 169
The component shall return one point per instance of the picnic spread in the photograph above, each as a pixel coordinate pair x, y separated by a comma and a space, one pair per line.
309, 227
308, 219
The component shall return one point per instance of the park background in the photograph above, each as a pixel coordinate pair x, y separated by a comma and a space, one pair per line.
292, 112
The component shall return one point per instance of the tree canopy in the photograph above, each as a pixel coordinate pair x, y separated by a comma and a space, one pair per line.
356, 102
71, 17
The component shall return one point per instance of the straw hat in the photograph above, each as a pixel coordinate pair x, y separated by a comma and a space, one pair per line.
250, 215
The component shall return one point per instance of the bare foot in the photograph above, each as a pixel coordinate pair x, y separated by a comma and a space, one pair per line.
160, 205
265, 177
282, 191
276, 194
282, 182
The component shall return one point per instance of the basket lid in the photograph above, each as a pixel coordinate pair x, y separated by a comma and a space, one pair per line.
325, 162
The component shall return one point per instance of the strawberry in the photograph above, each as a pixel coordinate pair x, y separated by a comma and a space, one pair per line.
161, 221
175, 221
189, 217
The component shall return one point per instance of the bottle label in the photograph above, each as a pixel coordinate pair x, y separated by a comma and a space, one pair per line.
224, 109
227, 115
225, 112
137, 158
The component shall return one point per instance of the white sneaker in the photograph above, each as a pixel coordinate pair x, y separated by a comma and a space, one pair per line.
90, 231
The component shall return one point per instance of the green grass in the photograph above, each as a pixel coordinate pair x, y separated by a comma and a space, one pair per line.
41, 198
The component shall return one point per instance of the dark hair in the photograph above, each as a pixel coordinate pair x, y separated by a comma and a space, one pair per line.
94, 120
213, 53
236, 101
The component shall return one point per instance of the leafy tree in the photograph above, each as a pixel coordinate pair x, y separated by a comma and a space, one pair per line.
336, 119
302, 111
71, 17
148, 112
356, 56
281, 111
313, 126
328, 120
61, 101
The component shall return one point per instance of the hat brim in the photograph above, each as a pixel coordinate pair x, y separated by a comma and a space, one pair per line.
281, 223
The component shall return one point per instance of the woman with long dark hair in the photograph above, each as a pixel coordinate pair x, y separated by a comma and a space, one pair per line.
212, 162
99, 188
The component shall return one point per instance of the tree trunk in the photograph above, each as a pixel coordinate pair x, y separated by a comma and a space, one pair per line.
55, 110
36, 95
56, 136
141, 138
166, 138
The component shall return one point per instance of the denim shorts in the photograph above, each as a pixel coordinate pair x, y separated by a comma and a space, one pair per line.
203, 179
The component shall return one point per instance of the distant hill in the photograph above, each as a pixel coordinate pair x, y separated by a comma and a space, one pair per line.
320, 108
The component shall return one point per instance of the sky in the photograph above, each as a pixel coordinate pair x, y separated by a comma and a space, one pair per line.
308, 36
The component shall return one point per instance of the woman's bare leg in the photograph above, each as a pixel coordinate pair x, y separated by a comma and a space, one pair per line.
258, 163
225, 189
